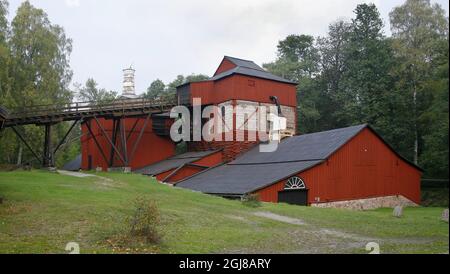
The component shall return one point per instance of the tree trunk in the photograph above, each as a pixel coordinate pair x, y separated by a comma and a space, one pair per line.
416, 133
19, 155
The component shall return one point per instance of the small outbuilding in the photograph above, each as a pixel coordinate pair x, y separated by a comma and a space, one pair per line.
350, 167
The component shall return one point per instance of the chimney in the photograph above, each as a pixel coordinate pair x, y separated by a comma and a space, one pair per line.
128, 83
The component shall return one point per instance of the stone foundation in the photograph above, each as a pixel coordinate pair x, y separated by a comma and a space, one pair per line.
367, 204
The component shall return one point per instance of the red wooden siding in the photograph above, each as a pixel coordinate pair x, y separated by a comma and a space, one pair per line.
364, 168
246, 88
230, 149
226, 65
162, 176
183, 173
210, 160
152, 148
186, 171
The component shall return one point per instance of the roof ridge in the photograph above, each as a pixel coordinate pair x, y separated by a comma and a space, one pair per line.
262, 69
231, 57
244, 60
273, 163
330, 130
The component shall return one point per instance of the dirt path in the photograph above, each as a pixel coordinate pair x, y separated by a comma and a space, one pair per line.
279, 218
102, 181
75, 174
309, 238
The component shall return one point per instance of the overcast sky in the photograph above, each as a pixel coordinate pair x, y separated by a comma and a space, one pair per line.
163, 39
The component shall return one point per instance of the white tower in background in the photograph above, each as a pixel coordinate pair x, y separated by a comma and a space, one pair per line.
129, 89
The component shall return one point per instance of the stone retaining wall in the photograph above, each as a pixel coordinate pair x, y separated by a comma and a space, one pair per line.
371, 203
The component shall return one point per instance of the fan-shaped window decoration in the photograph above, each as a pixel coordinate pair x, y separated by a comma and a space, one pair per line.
295, 183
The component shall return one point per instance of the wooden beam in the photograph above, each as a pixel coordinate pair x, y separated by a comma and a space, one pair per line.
96, 142
47, 160
26, 144
109, 140
114, 138
136, 144
65, 137
124, 141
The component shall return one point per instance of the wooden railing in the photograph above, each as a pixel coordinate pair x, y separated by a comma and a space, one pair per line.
79, 107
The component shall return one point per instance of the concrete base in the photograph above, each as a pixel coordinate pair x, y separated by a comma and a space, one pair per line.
367, 204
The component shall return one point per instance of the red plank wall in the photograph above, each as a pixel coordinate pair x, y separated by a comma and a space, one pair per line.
226, 65
151, 149
240, 87
364, 168
208, 161
184, 173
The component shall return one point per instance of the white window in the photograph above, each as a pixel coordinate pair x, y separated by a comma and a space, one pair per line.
295, 183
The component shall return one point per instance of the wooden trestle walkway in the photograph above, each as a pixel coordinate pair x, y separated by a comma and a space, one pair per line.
48, 115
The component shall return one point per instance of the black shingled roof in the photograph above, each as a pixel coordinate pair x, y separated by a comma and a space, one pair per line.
249, 68
173, 162
255, 170
74, 165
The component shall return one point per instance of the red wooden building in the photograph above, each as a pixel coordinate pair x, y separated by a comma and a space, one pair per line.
350, 167
237, 82
143, 144
241, 83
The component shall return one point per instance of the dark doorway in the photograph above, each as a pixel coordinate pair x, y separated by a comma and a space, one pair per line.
293, 197
89, 162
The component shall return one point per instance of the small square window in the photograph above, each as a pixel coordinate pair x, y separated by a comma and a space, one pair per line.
251, 83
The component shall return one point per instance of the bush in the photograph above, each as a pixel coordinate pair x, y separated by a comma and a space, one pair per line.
145, 221
251, 200
435, 197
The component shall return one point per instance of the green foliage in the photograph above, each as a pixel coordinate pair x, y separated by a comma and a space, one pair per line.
435, 197
251, 200
419, 30
91, 93
156, 89
399, 84
5, 81
145, 220
34, 70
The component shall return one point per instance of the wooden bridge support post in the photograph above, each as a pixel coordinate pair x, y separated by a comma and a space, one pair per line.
48, 159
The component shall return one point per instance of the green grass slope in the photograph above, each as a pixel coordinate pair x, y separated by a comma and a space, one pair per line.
41, 212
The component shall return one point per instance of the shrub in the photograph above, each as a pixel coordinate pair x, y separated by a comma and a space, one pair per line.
145, 220
251, 200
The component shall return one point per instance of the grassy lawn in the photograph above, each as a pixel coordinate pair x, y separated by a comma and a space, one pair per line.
42, 212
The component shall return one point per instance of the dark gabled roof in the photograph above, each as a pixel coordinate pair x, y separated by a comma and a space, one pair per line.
242, 179
253, 73
249, 68
255, 170
243, 63
246, 68
74, 165
173, 162
315, 146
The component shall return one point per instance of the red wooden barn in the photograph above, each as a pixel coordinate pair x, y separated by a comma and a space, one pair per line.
349, 167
